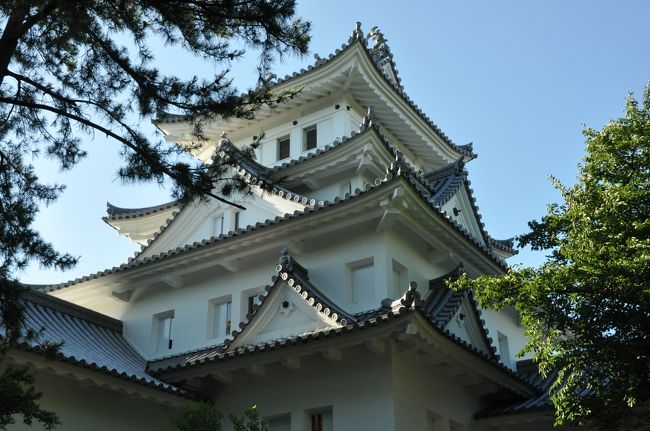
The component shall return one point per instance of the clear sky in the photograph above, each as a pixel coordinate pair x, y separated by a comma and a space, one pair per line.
519, 79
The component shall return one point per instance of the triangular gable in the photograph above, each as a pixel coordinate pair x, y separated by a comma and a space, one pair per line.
466, 325
291, 306
197, 222
460, 207
457, 313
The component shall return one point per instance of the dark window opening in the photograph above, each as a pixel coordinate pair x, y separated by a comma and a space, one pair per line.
310, 138
284, 148
317, 422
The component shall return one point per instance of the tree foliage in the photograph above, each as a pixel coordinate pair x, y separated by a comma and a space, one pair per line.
76, 71
204, 417
587, 308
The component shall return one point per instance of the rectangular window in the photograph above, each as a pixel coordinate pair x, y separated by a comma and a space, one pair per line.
221, 317
400, 282
362, 277
163, 329
504, 349
309, 138
284, 147
217, 225
321, 420
253, 300
237, 217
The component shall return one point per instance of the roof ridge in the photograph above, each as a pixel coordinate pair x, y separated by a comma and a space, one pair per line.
392, 173
507, 245
296, 277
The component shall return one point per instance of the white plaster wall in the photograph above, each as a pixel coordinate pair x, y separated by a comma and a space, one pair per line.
197, 221
357, 389
87, 407
329, 191
420, 262
191, 328
466, 217
506, 323
329, 264
331, 123
328, 270
421, 389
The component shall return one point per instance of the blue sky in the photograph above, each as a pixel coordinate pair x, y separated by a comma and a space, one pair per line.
519, 79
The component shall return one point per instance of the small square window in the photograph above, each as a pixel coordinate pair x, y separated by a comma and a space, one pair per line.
284, 147
504, 349
310, 138
279, 423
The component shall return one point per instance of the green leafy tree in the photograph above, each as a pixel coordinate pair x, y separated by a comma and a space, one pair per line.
587, 308
204, 417
74, 71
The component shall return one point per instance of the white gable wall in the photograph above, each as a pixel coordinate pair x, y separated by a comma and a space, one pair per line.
198, 221
466, 217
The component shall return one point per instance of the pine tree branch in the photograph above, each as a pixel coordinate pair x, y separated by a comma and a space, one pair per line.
159, 166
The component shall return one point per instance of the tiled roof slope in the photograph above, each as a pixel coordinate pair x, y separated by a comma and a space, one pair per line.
90, 340
507, 245
443, 303
250, 171
257, 174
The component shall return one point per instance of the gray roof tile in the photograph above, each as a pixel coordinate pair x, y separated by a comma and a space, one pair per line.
90, 340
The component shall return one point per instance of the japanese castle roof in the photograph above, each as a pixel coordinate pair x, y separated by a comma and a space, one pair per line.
376, 51
90, 340
117, 213
399, 169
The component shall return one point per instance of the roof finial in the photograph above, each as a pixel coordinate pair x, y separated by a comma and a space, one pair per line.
411, 297
357, 33
381, 55
378, 37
